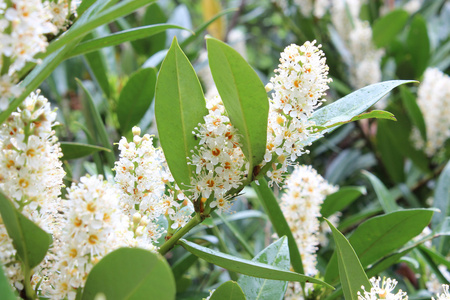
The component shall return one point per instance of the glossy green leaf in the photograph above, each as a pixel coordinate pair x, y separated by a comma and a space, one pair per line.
199, 30
30, 241
244, 97
442, 202
135, 98
442, 196
399, 137
84, 5
99, 69
246, 267
351, 272
386, 29
387, 201
120, 37
392, 158
229, 290
341, 199
154, 14
413, 110
95, 124
76, 150
343, 119
379, 236
276, 254
5, 287
279, 223
418, 44
236, 233
179, 107
80, 29
353, 104
386, 262
130, 273
436, 256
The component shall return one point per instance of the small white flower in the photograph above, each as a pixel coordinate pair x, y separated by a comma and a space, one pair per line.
383, 291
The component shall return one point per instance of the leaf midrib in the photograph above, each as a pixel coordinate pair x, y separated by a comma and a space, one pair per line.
244, 117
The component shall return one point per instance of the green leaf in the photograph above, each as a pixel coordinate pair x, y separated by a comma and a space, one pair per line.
77, 150
386, 29
387, 201
246, 267
413, 110
399, 137
154, 14
85, 25
418, 44
436, 256
351, 272
279, 223
379, 236
95, 124
442, 196
343, 119
442, 202
135, 98
5, 287
354, 104
391, 157
179, 108
236, 233
119, 38
84, 5
30, 241
341, 199
130, 273
244, 97
229, 290
276, 254
99, 70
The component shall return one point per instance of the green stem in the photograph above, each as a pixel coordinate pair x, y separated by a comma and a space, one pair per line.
170, 243
29, 292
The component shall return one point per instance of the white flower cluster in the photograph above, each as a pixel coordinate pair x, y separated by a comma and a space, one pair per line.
23, 26
141, 176
305, 192
94, 226
445, 295
30, 171
357, 37
383, 291
434, 102
298, 86
316, 7
220, 163
60, 11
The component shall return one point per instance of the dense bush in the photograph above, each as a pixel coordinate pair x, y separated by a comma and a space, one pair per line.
298, 151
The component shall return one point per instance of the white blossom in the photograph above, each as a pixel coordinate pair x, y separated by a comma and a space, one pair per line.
433, 98
31, 174
445, 295
298, 86
305, 192
219, 160
383, 291
94, 226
